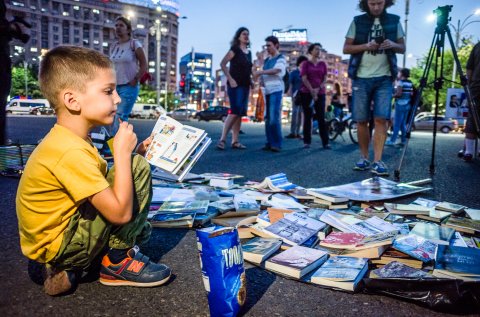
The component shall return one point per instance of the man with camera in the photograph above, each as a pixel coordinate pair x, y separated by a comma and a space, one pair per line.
8, 30
373, 40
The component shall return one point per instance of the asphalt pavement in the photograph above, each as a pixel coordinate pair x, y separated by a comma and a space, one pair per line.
267, 294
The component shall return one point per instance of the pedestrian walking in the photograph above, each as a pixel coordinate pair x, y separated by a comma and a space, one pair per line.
312, 91
295, 81
337, 100
403, 104
373, 39
274, 68
130, 65
239, 81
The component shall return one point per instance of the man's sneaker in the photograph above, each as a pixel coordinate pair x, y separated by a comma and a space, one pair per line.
291, 136
135, 270
362, 165
379, 168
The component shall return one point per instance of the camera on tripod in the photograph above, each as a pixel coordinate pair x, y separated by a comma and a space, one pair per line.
442, 15
17, 33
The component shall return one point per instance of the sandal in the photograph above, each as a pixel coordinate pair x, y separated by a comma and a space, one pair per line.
221, 145
238, 146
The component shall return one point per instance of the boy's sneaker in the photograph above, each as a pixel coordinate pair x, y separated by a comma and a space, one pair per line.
362, 165
135, 270
379, 168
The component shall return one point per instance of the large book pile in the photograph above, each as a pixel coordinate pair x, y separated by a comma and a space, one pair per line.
330, 236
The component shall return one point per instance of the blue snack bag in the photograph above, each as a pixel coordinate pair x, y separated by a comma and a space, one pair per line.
221, 261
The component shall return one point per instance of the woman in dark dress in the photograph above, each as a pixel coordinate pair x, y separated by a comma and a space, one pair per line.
238, 85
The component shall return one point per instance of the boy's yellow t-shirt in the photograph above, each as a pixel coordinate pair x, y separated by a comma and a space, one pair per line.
62, 172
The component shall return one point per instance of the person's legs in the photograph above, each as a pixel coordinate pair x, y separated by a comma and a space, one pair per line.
268, 132
403, 126
275, 123
320, 117
306, 99
361, 100
5, 85
382, 99
241, 100
128, 95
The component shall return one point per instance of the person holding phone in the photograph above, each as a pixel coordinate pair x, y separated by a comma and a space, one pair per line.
373, 39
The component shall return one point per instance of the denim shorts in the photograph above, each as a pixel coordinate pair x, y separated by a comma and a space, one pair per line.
365, 90
238, 97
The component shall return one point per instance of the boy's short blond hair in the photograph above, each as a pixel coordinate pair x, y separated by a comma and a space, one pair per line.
69, 67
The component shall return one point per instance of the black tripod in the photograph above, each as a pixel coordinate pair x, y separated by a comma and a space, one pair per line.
437, 50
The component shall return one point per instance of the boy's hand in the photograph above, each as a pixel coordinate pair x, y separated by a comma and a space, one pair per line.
125, 140
142, 147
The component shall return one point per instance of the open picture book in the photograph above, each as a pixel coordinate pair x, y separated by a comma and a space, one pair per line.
176, 147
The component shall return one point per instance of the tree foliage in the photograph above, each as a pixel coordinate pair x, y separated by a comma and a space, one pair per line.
18, 82
428, 96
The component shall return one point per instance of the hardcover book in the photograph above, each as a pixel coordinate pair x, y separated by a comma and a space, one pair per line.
458, 262
341, 272
296, 261
433, 232
259, 249
290, 232
417, 247
173, 148
398, 270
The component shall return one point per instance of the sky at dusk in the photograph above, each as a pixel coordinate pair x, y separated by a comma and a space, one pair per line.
210, 24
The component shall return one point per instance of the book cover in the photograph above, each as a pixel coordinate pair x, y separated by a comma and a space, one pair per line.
453, 208
258, 249
435, 215
275, 214
398, 270
208, 176
223, 205
221, 183
341, 221
341, 272
172, 143
342, 240
245, 203
433, 232
319, 193
407, 209
263, 218
290, 232
303, 219
417, 247
296, 261
275, 183
463, 224
474, 214
197, 206
174, 216
425, 202
463, 261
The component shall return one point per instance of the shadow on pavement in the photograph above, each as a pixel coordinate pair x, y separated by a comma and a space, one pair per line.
258, 282
162, 241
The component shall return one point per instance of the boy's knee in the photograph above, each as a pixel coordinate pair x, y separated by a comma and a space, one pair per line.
140, 166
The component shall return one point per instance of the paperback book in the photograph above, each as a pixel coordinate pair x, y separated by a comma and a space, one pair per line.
433, 232
175, 147
290, 232
457, 262
463, 224
259, 249
196, 206
417, 247
435, 215
296, 261
275, 183
221, 183
399, 270
245, 203
391, 255
450, 207
341, 272
407, 209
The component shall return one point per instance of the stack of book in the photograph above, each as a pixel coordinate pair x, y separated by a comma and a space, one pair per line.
457, 263
392, 255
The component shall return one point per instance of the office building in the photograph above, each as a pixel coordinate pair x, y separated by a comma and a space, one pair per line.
196, 78
90, 23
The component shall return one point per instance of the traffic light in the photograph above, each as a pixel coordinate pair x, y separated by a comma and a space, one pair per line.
181, 84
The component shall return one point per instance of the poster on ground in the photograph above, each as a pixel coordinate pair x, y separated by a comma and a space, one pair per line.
456, 106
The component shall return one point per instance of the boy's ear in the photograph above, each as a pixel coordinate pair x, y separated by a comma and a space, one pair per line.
70, 100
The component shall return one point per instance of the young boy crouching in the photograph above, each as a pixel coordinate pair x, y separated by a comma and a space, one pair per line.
69, 206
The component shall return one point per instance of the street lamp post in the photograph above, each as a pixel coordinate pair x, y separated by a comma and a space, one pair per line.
158, 35
461, 25
407, 11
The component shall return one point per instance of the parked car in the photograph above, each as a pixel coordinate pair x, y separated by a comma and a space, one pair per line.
213, 113
29, 106
425, 121
181, 114
146, 111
